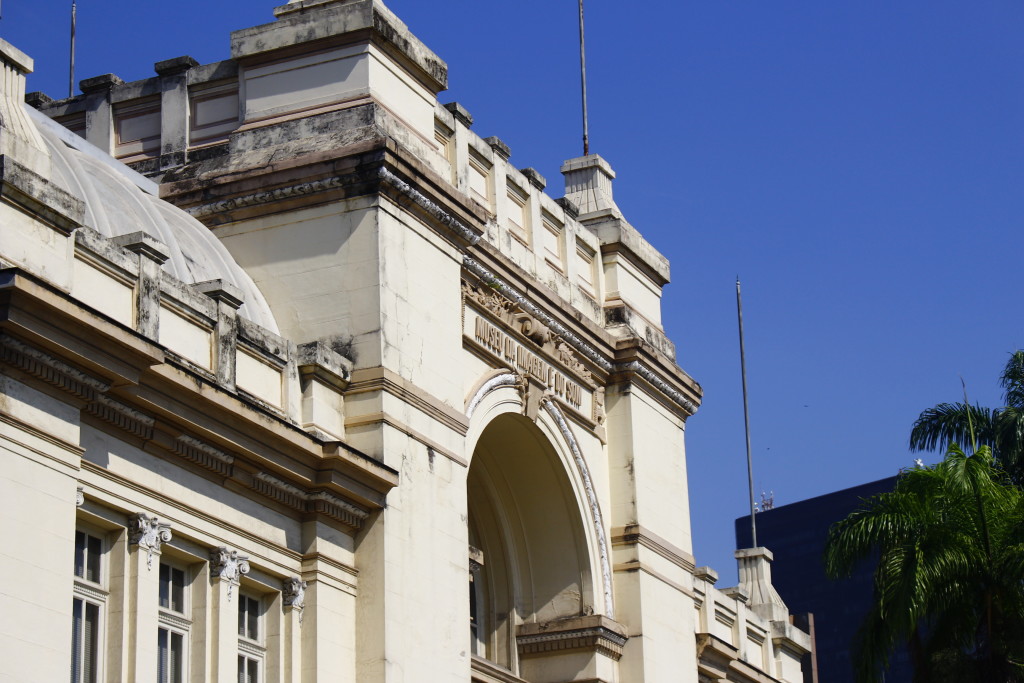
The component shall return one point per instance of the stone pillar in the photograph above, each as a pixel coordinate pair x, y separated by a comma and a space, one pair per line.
229, 300
294, 597
226, 570
460, 146
145, 536
99, 114
174, 110
152, 254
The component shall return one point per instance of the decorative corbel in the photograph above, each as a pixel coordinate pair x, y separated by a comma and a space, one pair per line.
294, 594
227, 565
148, 533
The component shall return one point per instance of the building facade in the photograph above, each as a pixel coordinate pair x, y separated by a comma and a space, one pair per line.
323, 388
796, 533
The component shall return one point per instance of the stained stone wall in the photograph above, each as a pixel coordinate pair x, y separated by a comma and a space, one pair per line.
417, 419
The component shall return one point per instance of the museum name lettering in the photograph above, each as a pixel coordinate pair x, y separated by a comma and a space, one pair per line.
528, 363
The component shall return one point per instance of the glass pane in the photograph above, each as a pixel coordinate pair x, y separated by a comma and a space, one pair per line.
91, 638
76, 641
165, 580
252, 630
241, 669
254, 671
161, 659
178, 590
80, 554
177, 654
92, 565
241, 615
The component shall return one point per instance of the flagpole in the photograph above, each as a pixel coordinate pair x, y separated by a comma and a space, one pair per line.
746, 417
71, 70
583, 83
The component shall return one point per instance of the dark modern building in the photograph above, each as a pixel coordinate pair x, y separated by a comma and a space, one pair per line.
796, 534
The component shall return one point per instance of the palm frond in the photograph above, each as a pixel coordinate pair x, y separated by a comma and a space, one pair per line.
1012, 380
1009, 440
949, 423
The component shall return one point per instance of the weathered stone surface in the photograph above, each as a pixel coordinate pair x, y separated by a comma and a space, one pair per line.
174, 66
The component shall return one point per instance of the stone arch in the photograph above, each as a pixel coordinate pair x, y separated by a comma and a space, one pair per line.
533, 518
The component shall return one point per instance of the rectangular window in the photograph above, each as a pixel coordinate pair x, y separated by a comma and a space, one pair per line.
174, 624
480, 179
213, 112
172, 588
551, 240
585, 271
88, 552
251, 652
137, 130
87, 605
85, 625
518, 213
248, 669
171, 656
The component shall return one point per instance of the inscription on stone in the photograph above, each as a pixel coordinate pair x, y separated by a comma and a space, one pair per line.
526, 362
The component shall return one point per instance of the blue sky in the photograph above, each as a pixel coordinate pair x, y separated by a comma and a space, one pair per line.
859, 165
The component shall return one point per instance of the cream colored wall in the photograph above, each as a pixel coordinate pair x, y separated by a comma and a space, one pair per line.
38, 437
764, 645
648, 459
420, 305
413, 615
36, 247
319, 270
624, 281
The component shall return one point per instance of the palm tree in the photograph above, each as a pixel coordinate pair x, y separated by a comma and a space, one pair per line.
1002, 429
949, 582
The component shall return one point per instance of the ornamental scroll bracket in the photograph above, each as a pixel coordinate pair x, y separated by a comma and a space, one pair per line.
228, 566
149, 533
293, 592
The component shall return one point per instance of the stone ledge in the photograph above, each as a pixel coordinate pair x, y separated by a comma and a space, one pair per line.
39, 196
596, 633
312, 21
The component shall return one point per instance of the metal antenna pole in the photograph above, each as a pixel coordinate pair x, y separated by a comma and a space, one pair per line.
583, 82
71, 71
746, 416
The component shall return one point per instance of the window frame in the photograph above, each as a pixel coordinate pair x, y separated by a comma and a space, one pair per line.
518, 201
175, 623
252, 651
89, 593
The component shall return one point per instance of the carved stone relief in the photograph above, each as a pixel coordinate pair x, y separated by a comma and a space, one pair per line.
149, 533
228, 565
513, 315
294, 592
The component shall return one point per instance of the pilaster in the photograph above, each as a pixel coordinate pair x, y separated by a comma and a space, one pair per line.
174, 114
152, 254
226, 570
294, 598
145, 536
99, 112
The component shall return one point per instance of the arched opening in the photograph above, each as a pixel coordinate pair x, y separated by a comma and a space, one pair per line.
528, 545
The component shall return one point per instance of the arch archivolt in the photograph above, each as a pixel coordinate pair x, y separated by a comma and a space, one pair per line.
503, 392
